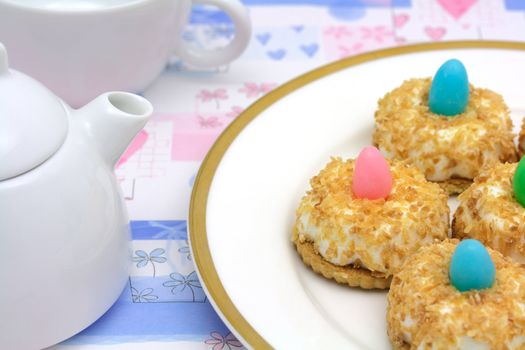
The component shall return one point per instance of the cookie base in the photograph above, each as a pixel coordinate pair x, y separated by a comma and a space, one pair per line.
455, 185
349, 275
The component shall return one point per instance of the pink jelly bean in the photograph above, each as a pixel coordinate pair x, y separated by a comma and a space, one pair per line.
372, 177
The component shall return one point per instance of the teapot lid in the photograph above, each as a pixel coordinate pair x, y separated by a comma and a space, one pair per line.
33, 121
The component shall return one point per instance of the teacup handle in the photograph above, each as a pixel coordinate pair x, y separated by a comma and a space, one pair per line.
214, 58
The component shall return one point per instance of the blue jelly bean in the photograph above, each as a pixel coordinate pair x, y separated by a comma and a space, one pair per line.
471, 267
449, 91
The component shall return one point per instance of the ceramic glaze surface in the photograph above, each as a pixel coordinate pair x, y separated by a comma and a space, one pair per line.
67, 5
62, 219
65, 224
66, 227
249, 205
124, 44
29, 132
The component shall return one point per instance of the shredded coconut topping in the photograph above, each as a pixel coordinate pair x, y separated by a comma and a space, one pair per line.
441, 147
489, 212
372, 234
426, 312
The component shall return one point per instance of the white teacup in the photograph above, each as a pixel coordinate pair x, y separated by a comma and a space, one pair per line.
82, 48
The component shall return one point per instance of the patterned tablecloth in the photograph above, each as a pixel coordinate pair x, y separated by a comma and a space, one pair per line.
163, 305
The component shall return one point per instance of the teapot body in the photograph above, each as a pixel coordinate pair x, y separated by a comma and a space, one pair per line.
64, 242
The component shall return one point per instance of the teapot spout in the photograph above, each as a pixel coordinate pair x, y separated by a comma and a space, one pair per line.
113, 119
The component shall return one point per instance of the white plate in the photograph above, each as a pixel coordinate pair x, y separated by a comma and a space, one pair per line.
245, 196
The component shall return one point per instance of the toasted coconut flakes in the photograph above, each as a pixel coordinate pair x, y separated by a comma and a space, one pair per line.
372, 234
441, 147
489, 212
426, 312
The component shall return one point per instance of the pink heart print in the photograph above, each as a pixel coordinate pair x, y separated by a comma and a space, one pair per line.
400, 20
435, 33
456, 8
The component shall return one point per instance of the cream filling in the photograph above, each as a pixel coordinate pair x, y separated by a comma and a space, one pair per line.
494, 220
467, 343
408, 322
440, 163
442, 170
463, 342
314, 233
522, 144
517, 342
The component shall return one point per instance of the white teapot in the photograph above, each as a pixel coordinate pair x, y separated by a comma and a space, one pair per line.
64, 231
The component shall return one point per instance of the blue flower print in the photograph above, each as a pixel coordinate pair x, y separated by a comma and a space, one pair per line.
185, 251
179, 283
155, 256
144, 296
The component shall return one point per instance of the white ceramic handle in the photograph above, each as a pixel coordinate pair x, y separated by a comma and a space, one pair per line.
214, 58
3, 59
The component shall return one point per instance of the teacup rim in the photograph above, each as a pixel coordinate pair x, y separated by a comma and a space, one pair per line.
132, 4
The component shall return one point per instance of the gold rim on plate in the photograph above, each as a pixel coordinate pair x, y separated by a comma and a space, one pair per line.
199, 197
